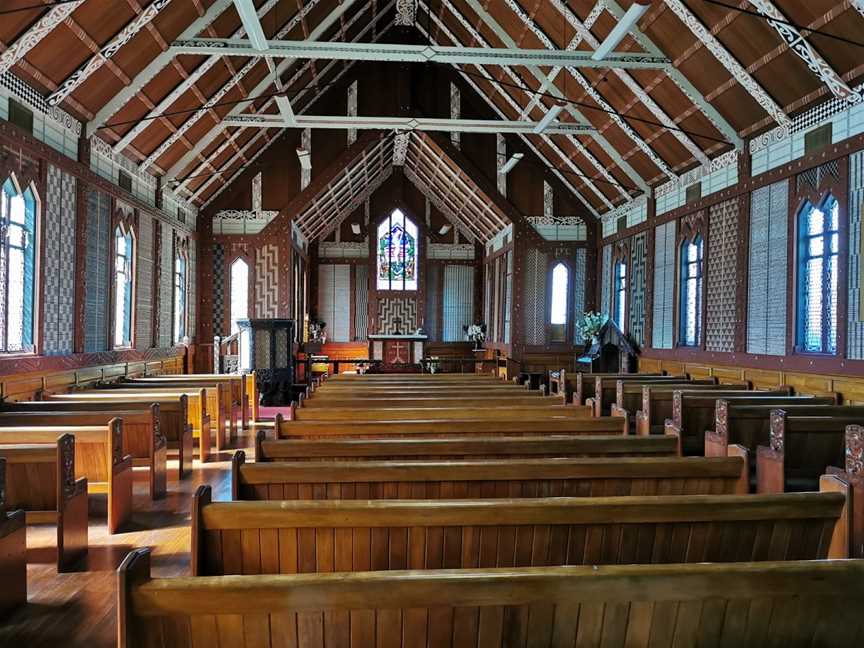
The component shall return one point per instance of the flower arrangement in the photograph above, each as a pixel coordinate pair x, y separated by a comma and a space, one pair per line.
588, 327
476, 333
316, 331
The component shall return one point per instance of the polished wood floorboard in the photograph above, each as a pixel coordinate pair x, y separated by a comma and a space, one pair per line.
79, 608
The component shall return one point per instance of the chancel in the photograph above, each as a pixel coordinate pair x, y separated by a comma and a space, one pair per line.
363, 323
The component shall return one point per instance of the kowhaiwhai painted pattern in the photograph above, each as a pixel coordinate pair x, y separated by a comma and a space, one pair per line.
218, 288
391, 308
267, 281
636, 306
722, 280
59, 262
144, 283
96, 273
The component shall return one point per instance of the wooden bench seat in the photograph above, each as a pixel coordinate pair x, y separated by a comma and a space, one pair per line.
570, 384
400, 401
586, 383
235, 401
436, 428
630, 396
466, 447
244, 389
606, 389
40, 480
730, 604
13, 554
172, 419
193, 409
142, 436
848, 478
493, 478
312, 536
800, 448
98, 457
526, 413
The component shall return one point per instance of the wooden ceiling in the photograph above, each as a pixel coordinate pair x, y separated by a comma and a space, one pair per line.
732, 76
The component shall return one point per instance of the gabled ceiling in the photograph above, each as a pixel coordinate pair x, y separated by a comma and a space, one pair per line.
730, 75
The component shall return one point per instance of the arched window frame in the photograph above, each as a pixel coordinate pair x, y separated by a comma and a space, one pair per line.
828, 280
384, 227
620, 284
19, 238
180, 302
248, 291
124, 268
691, 277
560, 333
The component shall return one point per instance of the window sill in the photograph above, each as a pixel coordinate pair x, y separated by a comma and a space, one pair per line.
12, 355
814, 354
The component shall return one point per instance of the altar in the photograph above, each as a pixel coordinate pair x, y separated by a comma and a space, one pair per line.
397, 353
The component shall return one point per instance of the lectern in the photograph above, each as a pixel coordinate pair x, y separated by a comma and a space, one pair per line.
265, 347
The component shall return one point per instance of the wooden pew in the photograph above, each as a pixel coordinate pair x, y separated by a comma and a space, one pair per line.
482, 447
636, 605
194, 409
848, 479
630, 396
40, 480
694, 413
497, 389
474, 401
411, 378
98, 457
524, 413
606, 389
568, 383
493, 478
587, 382
172, 419
800, 448
13, 553
438, 428
142, 436
374, 535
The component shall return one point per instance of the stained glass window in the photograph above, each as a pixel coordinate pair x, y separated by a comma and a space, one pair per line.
17, 268
180, 287
620, 299
558, 316
690, 304
397, 253
239, 293
818, 248
123, 273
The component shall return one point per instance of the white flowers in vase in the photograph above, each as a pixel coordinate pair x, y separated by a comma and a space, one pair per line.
589, 325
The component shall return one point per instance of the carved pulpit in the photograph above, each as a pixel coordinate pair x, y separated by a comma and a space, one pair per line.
397, 352
609, 352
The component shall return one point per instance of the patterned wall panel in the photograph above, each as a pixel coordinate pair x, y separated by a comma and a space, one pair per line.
458, 302
361, 301
96, 273
193, 292
144, 283
766, 303
664, 286
267, 281
166, 288
219, 289
508, 297
855, 348
638, 277
605, 281
334, 300
433, 301
391, 308
534, 299
59, 263
721, 284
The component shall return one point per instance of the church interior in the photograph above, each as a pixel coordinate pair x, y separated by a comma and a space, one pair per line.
437, 323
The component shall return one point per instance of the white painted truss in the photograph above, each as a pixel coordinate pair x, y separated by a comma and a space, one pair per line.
33, 36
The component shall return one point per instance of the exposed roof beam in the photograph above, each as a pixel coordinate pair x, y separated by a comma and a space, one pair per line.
407, 124
153, 68
33, 36
659, 162
677, 77
251, 23
257, 91
415, 53
108, 51
729, 62
799, 45
859, 5
620, 31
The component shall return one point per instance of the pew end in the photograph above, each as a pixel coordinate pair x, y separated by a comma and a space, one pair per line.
260, 436
72, 507
237, 461
742, 486
120, 480
672, 431
13, 559
202, 497
617, 412
841, 539
133, 571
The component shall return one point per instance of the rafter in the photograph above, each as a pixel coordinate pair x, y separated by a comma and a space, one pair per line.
107, 52
729, 62
33, 36
799, 45
153, 68
414, 53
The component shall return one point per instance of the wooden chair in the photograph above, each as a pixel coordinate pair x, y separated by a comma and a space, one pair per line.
13, 553
480, 447
733, 604
40, 480
493, 478
98, 457
142, 436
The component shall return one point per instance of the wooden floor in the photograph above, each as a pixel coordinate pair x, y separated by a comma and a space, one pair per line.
79, 608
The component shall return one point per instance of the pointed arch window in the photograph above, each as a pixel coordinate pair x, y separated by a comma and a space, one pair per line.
619, 303
17, 268
690, 282
559, 301
397, 250
239, 293
124, 250
818, 259
181, 285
